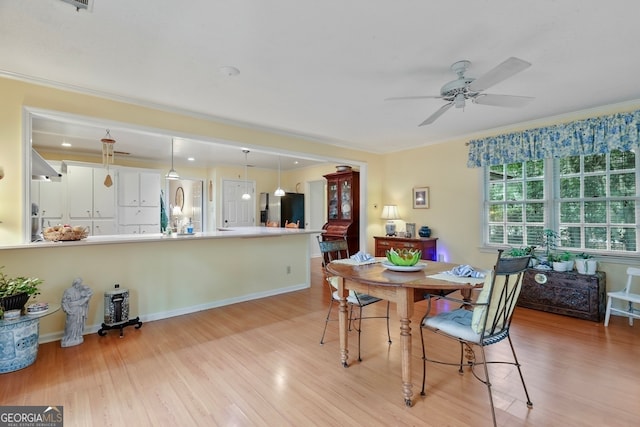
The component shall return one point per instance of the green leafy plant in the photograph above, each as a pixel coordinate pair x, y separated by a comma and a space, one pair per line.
565, 256
584, 256
549, 240
517, 252
16, 285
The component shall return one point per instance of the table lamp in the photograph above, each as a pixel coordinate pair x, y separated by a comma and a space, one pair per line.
390, 213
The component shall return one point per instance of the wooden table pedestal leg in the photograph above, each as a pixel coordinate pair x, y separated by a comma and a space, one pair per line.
404, 304
405, 340
343, 321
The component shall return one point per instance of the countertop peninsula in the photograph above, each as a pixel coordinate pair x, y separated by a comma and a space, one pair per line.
219, 233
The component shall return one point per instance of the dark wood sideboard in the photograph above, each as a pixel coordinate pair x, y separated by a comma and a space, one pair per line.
569, 293
426, 244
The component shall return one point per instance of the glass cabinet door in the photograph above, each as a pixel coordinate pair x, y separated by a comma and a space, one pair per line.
333, 200
345, 193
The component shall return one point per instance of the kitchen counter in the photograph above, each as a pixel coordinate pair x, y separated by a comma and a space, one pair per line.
167, 276
220, 233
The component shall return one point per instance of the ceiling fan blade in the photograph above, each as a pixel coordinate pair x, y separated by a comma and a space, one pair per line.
502, 100
432, 118
502, 72
399, 98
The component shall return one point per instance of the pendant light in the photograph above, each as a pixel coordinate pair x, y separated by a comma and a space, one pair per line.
172, 174
279, 191
246, 195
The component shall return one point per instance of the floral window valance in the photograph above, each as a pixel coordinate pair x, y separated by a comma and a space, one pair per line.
595, 135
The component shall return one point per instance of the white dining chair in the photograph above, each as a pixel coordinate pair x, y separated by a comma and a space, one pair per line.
626, 297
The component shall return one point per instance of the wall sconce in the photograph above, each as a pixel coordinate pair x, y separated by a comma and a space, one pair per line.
390, 213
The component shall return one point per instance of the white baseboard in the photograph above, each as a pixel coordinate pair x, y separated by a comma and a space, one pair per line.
57, 336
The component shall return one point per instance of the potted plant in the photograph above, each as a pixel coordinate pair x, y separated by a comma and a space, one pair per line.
555, 260
567, 258
527, 250
16, 291
585, 264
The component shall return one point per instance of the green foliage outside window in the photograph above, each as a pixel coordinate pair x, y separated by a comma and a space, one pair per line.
592, 203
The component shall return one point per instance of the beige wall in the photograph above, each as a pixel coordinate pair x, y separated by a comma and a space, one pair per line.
455, 213
455, 190
165, 278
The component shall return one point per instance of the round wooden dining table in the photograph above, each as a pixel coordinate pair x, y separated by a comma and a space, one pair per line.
403, 288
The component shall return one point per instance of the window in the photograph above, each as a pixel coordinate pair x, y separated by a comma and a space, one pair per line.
591, 200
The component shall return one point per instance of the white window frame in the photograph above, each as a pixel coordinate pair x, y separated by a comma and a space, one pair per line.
552, 202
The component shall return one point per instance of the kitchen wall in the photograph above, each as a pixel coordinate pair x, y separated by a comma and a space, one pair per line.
18, 94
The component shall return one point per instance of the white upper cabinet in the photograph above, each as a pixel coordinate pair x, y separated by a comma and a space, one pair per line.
139, 201
138, 188
149, 189
87, 196
50, 198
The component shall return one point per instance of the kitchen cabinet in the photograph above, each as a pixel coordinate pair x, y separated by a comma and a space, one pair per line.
50, 198
139, 188
98, 227
428, 245
87, 196
89, 202
138, 229
343, 207
138, 201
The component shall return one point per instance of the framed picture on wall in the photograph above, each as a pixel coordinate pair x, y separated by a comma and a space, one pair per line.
421, 198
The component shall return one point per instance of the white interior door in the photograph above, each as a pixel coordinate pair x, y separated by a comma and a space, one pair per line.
237, 212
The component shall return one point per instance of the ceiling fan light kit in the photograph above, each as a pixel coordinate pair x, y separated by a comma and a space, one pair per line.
458, 91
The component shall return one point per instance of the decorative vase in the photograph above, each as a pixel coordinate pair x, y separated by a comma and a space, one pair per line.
581, 266
14, 302
424, 231
592, 266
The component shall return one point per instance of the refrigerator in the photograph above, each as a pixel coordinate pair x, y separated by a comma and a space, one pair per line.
289, 207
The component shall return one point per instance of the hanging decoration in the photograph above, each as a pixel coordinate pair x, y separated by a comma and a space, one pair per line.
107, 156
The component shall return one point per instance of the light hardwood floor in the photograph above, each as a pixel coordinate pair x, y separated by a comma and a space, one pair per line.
260, 364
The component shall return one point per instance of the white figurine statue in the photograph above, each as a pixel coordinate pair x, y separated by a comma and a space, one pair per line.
75, 302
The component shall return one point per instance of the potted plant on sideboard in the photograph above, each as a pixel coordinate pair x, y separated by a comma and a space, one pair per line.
16, 291
585, 264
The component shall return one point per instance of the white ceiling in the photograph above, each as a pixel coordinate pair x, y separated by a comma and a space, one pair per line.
324, 69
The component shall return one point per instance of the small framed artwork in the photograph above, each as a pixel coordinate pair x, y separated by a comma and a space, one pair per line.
410, 228
421, 198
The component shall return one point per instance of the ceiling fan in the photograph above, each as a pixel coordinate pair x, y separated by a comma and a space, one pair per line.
458, 91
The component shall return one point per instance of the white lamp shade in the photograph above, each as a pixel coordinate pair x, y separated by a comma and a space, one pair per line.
390, 212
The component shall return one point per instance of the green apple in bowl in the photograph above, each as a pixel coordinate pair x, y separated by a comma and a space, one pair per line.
404, 257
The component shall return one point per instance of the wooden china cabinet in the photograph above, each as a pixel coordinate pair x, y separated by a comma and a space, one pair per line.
343, 207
